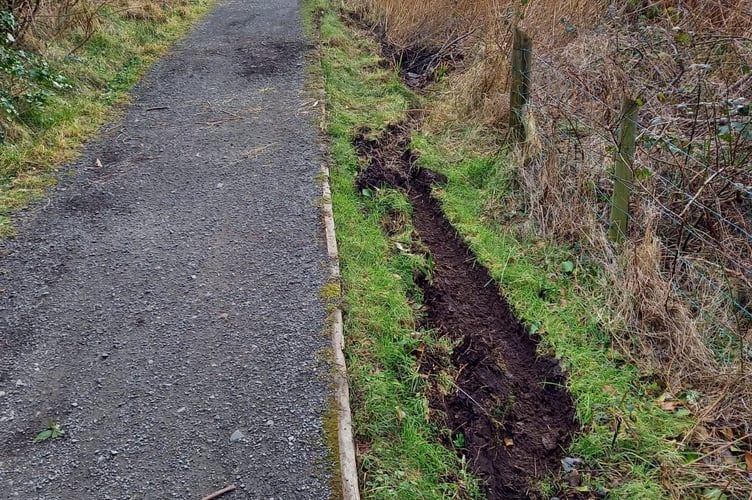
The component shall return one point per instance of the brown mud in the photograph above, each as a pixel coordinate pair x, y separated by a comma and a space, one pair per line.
509, 405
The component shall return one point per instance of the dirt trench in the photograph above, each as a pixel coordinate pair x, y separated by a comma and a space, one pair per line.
509, 407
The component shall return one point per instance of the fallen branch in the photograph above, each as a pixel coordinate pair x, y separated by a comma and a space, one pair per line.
221, 492
718, 450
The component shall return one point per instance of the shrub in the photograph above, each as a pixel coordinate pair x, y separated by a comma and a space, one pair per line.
26, 80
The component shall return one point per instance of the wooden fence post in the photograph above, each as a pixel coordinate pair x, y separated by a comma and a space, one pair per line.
623, 161
519, 92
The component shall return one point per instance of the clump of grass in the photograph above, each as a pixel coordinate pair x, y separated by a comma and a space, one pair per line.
398, 447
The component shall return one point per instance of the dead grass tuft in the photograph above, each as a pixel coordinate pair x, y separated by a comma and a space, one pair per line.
670, 332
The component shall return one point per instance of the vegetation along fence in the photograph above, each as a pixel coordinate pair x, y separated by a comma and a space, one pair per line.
662, 184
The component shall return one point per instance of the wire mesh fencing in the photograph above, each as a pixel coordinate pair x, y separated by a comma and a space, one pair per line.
687, 186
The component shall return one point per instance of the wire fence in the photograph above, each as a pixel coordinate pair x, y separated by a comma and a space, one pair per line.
689, 184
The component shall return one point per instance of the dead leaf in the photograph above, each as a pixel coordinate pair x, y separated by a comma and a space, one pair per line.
400, 414
418, 352
573, 478
670, 405
609, 389
748, 460
364, 449
702, 435
508, 442
728, 458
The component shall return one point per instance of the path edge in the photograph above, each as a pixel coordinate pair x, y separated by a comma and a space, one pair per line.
345, 441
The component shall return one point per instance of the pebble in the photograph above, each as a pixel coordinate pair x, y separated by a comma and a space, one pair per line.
237, 436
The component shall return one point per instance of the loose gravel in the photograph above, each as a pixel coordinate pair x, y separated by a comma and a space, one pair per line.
162, 305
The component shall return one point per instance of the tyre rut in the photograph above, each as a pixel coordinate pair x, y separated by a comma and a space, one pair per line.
508, 406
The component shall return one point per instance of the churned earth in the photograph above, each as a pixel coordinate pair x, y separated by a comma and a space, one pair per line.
509, 407
162, 304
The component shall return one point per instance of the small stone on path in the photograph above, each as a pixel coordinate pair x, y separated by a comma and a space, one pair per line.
237, 436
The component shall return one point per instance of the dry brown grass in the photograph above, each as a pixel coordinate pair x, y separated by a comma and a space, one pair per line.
43, 19
410, 25
684, 278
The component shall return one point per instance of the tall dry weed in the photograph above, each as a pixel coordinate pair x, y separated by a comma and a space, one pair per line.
40, 20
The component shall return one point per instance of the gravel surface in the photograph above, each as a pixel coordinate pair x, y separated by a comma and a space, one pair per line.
162, 305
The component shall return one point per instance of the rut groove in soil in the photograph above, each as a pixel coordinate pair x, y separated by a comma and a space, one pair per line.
510, 404
167, 294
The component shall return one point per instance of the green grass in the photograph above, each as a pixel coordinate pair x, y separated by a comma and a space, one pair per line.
398, 448
100, 73
626, 440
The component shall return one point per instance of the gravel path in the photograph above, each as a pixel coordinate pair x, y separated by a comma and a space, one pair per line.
168, 298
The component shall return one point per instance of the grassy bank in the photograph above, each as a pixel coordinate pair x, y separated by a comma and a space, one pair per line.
674, 299
630, 436
635, 438
94, 64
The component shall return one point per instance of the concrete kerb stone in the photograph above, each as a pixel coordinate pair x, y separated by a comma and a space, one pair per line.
348, 466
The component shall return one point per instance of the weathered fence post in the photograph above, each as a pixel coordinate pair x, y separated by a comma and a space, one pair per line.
623, 160
519, 92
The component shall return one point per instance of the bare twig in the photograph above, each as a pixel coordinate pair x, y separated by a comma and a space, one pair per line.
724, 447
221, 492
228, 113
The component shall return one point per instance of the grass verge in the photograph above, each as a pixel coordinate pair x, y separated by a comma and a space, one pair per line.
632, 431
398, 448
100, 73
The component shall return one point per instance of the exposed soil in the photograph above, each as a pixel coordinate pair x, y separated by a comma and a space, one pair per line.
510, 404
